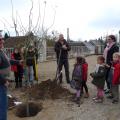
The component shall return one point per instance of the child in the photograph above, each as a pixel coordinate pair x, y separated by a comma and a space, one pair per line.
84, 78
99, 79
116, 77
30, 57
77, 77
17, 69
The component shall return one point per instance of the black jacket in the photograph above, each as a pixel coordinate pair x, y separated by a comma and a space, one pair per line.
17, 56
110, 53
99, 77
30, 58
64, 53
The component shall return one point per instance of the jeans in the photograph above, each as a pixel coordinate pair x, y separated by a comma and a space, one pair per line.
3, 102
30, 74
107, 76
115, 92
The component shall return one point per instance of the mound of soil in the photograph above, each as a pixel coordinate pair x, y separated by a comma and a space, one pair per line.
21, 110
49, 89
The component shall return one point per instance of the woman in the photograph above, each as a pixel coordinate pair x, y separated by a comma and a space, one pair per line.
110, 49
4, 72
17, 69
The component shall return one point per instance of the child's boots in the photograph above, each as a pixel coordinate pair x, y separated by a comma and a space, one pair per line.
86, 95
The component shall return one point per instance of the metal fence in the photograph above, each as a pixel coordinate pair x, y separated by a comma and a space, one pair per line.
75, 51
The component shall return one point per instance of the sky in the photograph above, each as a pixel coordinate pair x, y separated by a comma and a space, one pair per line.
86, 19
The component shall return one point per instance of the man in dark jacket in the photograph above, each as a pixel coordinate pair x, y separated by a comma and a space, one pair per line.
61, 49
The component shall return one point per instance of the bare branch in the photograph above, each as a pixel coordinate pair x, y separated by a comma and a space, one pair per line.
13, 19
44, 16
53, 20
5, 28
7, 22
38, 19
30, 14
23, 28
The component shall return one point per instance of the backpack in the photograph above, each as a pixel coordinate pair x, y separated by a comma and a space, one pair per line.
77, 73
76, 81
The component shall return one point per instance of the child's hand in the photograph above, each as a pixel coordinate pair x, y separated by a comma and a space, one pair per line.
106, 65
91, 75
21, 62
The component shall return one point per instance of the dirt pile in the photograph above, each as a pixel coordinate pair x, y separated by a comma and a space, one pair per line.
33, 109
49, 90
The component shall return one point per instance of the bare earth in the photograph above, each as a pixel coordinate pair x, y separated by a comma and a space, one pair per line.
64, 110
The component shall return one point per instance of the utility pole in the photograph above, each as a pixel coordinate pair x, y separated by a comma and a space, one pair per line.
1, 33
119, 39
68, 37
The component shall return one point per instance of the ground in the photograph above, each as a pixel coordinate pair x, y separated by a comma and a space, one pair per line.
65, 110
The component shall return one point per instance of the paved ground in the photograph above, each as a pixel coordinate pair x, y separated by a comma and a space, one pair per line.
64, 110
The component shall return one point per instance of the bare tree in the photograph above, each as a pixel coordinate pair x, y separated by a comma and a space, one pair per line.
38, 30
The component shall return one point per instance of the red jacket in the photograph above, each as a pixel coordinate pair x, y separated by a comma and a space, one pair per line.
84, 71
116, 74
13, 67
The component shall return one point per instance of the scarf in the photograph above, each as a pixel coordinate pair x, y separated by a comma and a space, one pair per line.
108, 47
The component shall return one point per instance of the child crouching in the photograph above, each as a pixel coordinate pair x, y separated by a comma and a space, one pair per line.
99, 79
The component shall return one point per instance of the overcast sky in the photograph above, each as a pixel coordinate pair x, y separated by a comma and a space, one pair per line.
85, 18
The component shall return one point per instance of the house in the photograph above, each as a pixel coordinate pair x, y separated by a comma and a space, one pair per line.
23, 41
78, 48
90, 47
98, 45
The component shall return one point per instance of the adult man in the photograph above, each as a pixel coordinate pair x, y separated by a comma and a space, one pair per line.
4, 72
61, 49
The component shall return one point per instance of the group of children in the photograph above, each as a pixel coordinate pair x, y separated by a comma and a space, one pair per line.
21, 70
80, 73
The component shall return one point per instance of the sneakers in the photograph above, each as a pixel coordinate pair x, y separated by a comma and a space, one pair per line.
110, 97
115, 101
107, 91
95, 98
99, 100
77, 101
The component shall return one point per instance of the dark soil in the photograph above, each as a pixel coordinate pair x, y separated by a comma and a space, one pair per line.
49, 90
21, 110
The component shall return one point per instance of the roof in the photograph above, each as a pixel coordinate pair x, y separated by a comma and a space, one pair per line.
96, 42
78, 43
89, 46
13, 42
